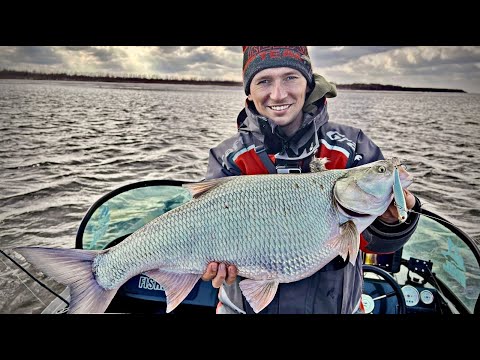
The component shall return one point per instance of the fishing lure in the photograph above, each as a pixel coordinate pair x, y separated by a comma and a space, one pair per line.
399, 197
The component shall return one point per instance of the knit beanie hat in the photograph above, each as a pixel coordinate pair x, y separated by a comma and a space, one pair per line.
257, 58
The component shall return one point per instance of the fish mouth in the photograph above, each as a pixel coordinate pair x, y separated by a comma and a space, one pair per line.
350, 212
406, 179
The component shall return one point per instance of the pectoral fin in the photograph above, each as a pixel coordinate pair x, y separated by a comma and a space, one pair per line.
259, 293
177, 286
352, 237
348, 242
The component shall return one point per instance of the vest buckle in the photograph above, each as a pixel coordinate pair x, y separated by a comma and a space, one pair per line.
282, 169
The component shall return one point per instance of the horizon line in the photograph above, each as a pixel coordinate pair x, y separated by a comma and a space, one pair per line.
28, 74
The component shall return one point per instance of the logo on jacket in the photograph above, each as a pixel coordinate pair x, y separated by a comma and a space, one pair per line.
336, 136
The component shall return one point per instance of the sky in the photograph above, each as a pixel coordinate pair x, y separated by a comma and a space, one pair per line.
451, 67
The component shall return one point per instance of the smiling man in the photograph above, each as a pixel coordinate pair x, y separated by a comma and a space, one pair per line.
283, 126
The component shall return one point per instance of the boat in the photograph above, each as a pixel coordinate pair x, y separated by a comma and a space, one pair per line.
436, 272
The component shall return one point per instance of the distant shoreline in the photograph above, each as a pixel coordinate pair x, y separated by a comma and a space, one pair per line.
32, 75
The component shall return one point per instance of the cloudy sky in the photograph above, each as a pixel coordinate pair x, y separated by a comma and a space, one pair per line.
452, 67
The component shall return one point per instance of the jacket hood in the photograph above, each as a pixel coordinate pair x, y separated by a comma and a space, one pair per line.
322, 88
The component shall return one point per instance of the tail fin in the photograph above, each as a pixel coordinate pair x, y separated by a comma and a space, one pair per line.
72, 267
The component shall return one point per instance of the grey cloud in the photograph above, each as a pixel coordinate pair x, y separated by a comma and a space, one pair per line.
427, 56
203, 58
466, 70
160, 50
102, 54
37, 55
106, 60
234, 49
77, 48
324, 56
412, 59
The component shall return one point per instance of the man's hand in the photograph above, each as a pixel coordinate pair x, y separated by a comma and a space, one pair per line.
391, 215
218, 273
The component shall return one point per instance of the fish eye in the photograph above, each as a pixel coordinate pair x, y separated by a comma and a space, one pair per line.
381, 169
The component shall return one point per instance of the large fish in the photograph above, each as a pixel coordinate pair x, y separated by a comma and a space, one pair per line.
274, 228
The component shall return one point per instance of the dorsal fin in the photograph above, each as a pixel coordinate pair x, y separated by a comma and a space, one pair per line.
318, 164
200, 188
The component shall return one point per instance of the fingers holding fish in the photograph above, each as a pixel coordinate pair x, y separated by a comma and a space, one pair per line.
219, 273
409, 198
220, 277
391, 215
211, 271
231, 274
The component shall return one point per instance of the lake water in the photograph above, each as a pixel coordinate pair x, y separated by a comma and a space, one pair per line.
65, 144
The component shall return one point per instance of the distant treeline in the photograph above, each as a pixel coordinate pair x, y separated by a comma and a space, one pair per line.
394, 88
34, 75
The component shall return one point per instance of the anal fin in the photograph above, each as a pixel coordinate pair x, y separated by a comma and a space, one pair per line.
177, 285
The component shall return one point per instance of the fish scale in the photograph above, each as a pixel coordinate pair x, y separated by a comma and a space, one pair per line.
255, 222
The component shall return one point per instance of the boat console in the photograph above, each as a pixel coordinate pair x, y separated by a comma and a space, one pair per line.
437, 271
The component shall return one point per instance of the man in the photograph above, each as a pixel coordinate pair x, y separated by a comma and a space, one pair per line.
283, 126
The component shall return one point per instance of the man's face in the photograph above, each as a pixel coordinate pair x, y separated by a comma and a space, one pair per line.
279, 94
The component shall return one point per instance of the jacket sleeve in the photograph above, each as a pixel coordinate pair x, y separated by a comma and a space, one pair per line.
381, 237
219, 162
366, 151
